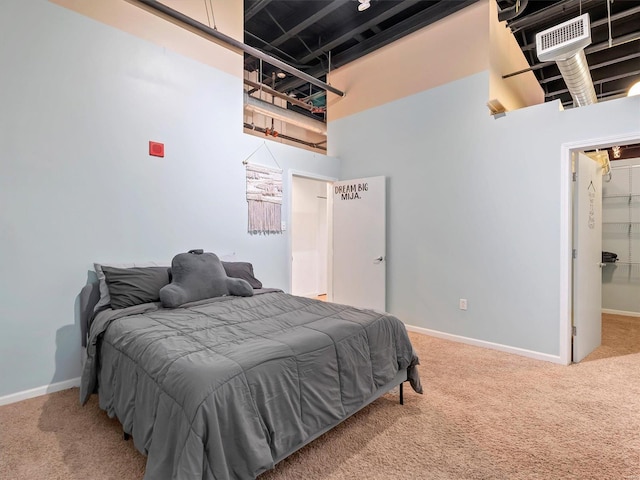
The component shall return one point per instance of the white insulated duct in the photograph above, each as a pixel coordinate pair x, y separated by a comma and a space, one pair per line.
288, 116
565, 44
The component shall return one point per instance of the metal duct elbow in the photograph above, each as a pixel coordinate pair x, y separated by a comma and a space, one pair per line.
565, 44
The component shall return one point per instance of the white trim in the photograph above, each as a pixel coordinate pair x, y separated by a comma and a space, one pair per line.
484, 344
566, 230
621, 312
36, 392
566, 255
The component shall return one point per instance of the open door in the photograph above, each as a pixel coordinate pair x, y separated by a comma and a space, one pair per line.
587, 263
359, 243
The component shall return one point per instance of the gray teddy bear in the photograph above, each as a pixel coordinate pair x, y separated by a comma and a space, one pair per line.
196, 276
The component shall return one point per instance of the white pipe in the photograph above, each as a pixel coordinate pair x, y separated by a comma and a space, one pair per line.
288, 116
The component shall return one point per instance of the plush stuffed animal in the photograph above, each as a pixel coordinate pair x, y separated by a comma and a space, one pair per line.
196, 276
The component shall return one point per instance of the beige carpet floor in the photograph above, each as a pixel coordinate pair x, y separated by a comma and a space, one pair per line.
484, 415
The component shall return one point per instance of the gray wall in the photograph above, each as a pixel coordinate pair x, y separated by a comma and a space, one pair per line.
621, 281
80, 101
473, 206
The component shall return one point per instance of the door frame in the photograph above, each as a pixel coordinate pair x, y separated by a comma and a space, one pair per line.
312, 176
566, 229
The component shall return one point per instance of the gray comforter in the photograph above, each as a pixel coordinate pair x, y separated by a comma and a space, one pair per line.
226, 388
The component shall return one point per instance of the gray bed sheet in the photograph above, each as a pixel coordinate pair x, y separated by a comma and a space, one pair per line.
225, 388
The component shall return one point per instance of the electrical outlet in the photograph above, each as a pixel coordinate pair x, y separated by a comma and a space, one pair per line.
463, 304
283, 226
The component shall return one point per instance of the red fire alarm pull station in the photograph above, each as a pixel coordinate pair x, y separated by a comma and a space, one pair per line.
156, 149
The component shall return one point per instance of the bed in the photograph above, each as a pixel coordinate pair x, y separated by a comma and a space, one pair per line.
226, 387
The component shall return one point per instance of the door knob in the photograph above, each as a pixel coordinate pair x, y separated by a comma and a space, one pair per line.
378, 260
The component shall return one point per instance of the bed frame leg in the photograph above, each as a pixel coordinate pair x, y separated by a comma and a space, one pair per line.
126, 436
401, 396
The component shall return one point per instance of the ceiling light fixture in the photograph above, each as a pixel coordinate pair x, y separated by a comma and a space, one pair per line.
634, 90
364, 4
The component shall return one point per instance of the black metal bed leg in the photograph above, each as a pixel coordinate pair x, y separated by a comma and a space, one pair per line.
401, 396
126, 436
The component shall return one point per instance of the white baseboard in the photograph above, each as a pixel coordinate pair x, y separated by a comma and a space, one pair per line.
621, 312
482, 343
36, 392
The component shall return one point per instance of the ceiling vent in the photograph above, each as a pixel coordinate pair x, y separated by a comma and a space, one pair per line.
565, 44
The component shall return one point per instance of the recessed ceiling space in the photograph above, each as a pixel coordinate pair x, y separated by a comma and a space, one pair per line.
316, 36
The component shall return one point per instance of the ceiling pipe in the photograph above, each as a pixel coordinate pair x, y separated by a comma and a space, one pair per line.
162, 10
250, 126
288, 116
275, 93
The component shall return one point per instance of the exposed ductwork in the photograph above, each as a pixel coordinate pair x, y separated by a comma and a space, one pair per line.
288, 116
565, 44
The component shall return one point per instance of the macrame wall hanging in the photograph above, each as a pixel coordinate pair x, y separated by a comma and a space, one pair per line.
264, 197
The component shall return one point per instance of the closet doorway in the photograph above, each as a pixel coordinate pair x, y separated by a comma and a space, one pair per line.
582, 318
310, 234
338, 240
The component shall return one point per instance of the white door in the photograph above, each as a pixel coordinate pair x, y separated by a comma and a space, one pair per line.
587, 243
359, 243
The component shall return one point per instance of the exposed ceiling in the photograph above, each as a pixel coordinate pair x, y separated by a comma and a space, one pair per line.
317, 35
613, 68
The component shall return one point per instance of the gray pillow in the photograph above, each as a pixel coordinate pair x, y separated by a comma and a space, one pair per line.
242, 270
136, 285
105, 300
196, 276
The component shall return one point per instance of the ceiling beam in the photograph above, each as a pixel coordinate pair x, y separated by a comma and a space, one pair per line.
359, 29
293, 31
434, 13
598, 82
251, 12
264, 42
554, 10
596, 66
354, 52
631, 37
597, 23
